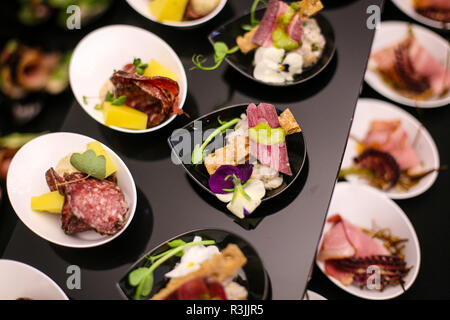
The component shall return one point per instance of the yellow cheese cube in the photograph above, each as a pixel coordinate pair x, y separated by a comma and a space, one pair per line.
100, 151
124, 117
168, 10
155, 69
49, 202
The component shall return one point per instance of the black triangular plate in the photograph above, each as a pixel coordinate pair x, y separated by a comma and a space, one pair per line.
295, 146
256, 280
244, 62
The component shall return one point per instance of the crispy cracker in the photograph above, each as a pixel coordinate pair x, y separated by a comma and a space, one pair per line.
233, 154
288, 122
309, 8
245, 42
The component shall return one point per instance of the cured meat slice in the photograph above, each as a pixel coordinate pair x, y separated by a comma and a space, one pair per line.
295, 28
335, 244
199, 289
389, 136
343, 235
69, 222
263, 35
342, 241
54, 181
275, 155
156, 96
99, 204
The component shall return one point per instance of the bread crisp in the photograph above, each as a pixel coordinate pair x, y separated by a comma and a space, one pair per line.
219, 268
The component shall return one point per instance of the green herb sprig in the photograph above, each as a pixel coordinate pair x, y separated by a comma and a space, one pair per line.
253, 21
199, 150
140, 67
142, 278
221, 50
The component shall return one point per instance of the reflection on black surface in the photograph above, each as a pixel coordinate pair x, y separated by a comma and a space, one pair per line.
152, 145
8, 219
290, 94
330, 4
124, 249
266, 208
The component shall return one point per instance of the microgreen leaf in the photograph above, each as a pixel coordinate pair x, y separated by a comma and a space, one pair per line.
119, 101
136, 276
176, 243
137, 62
247, 27
109, 97
98, 107
221, 50
147, 285
85, 100
89, 163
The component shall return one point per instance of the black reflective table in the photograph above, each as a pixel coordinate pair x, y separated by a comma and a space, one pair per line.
285, 230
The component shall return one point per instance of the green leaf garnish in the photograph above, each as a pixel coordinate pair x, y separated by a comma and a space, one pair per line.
89, 163
247, 27
136, 276
119, 101
109, 97
98, 107
140, 67
142, 278
85, 100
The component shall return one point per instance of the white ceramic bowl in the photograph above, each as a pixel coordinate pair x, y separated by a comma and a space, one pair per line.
19, 280
392, 32
26, 178
102, 51
368, 110
366, 207
313, 296
407, 7
141, 6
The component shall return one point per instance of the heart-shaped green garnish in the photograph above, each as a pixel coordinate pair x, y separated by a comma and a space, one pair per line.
89, 163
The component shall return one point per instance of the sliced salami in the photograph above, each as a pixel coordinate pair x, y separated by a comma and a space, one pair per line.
98, 204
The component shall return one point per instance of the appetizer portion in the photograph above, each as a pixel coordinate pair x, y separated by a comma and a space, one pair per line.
348, 251
140, 96
9, 145
287, 40
33, 12
202, 272
411, 70
387, 158
438, 10
84, 190
253, 160
181, 10
25, 70
285, 43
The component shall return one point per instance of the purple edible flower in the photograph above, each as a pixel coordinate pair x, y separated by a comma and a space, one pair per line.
221, 181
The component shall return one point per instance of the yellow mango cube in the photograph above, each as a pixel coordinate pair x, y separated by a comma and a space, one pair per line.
168, 10
49, 202
100, 151
155, 69
124, 117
